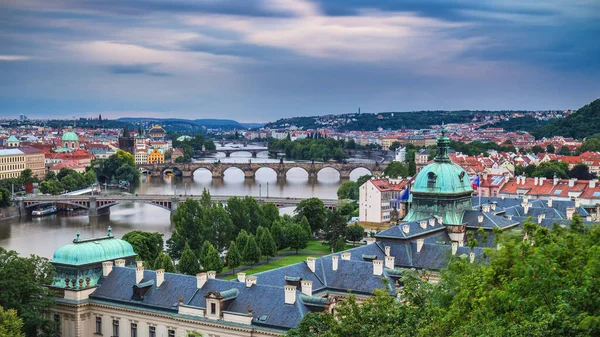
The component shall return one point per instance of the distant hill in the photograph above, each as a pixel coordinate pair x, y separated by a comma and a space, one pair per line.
208, 123
583, 123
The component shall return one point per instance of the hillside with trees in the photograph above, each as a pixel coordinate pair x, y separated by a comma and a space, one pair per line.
583, 123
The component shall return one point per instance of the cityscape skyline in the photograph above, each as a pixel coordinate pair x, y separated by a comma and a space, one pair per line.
258, 61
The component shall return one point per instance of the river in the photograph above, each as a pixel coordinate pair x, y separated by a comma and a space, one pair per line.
41, 236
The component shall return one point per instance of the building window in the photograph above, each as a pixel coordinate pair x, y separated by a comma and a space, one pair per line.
115, 328
171, 333
57, 323
98, 325
133, 329
213, 308
152, 331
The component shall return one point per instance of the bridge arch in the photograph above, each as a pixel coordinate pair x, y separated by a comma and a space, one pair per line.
162, 204
266, 168
287, 172
170, 169
360, 168
232, 168
65, 202
327, 168
201, 169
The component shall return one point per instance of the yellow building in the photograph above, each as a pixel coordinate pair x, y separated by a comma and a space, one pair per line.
12, 162
156, 156
35, 160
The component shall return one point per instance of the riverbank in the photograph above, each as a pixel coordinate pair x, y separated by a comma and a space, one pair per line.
9, 213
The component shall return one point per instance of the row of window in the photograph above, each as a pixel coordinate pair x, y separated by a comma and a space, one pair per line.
12, 167
9, 175
11, 159
133, 329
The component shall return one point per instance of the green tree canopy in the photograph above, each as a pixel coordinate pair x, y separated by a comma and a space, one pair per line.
10, 324
164, 261
23, 283
252, 251
355, 233
234, 258
396, 169
296, 236
147, 245
347, 190
314, 211
188, 264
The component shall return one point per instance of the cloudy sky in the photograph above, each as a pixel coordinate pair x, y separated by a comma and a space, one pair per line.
258, 60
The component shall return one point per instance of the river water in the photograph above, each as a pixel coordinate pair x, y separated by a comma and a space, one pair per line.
41, 236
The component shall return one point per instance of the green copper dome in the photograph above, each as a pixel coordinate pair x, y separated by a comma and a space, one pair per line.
96, 250
442, 176
442, 188
70, 136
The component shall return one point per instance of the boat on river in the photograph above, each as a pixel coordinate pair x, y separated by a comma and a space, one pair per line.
44, 211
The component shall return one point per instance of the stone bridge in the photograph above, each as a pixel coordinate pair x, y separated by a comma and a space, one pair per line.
253, 151
95, 204
218, 168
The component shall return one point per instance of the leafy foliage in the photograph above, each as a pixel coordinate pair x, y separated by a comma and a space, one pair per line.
147, 245
313, 210
23, 282
355, 233
396, 170
309, 149
10, 323
545, 285
234, 259
164, 261
296, 236
188, 264
118, 167
583, 123
252, 251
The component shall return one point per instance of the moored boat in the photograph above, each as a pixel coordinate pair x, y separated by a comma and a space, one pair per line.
44, 211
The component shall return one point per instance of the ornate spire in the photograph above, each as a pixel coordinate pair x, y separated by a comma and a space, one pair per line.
443, 145
110, 234
77, 234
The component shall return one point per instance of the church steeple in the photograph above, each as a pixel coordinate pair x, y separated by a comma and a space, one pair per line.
443, 145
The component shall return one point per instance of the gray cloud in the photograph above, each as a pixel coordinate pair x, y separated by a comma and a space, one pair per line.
137, 69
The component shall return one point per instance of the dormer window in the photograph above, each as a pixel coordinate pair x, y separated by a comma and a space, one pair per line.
213, 308
431, 178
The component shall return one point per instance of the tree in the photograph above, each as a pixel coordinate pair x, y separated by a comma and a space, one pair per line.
347, 190
537, 149
23, 281
252, 251
242, 240
550, 169
164, 261
278, 234
581, 171
4, 197
564, 150
50, 187
339, 245
550, 148
314, 211
267, 244
395, 169
335, 227
270, 213
234, 259
395, 145
355, 233
147, 245
212, 260
296, 236
412, 168
186, 228
10, 323
188, 264
217, 226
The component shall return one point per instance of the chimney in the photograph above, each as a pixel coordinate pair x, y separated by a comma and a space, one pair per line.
387, 250
471, 257
377, 267
250, 280
592, 183
541, 217
572, 182
120, 263
346, 256
555, 180
577, 202
454, 247
310, 262
542, 180
334, 262
139, 272
432, 222
486, 208
480, 219
106, 268
485, 175
550, 203
211, 274
439, 219
570, 212
509, 217
406, 229
526, 208
306, 287
290, 294
535, 181
200, 280
420, 243
241, 277
422, 223
160, 277
493, 205
389, 262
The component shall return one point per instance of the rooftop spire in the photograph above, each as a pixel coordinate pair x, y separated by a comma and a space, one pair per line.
443, 145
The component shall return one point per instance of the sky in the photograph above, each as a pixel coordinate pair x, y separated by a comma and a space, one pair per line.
260, 60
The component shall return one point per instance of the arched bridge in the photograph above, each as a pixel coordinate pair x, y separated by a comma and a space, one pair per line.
218, 168
97, 203
253, 151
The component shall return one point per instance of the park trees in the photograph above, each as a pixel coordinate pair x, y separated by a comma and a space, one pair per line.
267, 244
164, 261
252, 251
396, 169
313, 210
347, 190
355, 233
23, 281
147, 245
118, 167
188, 264
296, 236
335, 227
234, 258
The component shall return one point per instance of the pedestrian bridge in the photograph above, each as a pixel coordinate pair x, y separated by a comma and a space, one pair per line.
95, 204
